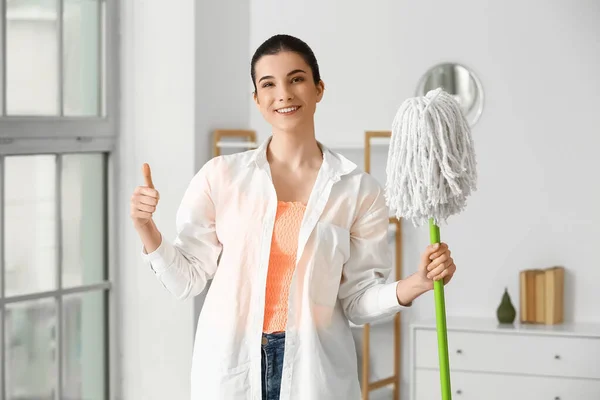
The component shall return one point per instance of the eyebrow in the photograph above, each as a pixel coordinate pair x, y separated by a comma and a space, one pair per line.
289, 73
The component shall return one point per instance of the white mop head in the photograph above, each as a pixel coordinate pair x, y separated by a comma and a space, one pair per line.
431, 166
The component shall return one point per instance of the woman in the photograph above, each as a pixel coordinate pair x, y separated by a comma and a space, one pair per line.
294, 239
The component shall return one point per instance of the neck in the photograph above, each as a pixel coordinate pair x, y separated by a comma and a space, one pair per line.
294, 150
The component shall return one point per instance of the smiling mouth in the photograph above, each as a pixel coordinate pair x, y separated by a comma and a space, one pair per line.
288, 110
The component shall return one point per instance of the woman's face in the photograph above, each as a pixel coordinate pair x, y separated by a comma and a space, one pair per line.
286, 93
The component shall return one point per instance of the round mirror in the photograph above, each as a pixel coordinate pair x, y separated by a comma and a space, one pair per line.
458, 81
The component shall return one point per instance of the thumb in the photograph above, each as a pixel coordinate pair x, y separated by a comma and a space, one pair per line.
147, 176
429, 250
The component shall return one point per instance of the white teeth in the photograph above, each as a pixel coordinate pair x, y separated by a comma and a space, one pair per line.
287, 110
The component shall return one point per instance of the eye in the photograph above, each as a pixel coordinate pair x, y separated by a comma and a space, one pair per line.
297, 79
267, 84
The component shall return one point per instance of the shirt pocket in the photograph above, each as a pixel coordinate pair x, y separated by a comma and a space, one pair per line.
212, 382
332, 250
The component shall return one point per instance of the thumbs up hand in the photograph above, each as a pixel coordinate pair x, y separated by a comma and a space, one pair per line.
144, 200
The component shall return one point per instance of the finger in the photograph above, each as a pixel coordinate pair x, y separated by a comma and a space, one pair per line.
439, 269
449, 271
442, 274
429, 250
147, 175
142, 199
439, 253
444, 258
141, 190
436, 271
140, 214
443, 248
448, 278
145, 208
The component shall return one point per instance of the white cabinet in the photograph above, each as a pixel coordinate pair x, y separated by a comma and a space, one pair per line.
486, 386
489, 361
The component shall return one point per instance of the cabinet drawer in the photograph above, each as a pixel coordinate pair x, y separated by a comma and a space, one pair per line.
507, 353
485, 386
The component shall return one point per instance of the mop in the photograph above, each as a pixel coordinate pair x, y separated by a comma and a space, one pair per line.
431, 170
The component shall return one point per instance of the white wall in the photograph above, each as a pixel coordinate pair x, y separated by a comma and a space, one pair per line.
183, 75
158, 127
222, 75
222, 70
536, 142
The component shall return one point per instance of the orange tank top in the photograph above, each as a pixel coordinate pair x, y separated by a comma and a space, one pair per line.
282, 261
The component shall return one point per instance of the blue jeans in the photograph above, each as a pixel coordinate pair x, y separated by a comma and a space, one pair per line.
272, 347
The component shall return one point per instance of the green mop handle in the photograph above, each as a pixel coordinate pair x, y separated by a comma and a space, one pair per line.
440, 316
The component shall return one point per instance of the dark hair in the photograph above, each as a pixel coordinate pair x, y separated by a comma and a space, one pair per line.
278, 43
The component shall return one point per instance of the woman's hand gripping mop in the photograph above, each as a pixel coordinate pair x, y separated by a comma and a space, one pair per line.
431, 170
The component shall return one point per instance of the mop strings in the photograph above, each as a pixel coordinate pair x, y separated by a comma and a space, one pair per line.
431, 167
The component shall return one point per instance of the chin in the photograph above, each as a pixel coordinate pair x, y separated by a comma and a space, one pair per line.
289, 127
292, 124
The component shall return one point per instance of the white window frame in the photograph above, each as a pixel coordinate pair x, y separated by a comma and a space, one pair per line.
75, 133
30, 135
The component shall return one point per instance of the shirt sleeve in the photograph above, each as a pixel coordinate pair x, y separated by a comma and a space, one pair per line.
364, 292
185, 265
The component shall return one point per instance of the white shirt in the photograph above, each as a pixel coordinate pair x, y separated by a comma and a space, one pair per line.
224, 231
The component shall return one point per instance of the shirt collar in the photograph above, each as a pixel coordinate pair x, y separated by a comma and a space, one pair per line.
334, 164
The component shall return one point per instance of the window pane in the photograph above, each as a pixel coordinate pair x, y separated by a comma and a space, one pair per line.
2, 19
32, 57
81, 57
30, 345
84, 346
2, 353
83, 219
30, 224
104, 60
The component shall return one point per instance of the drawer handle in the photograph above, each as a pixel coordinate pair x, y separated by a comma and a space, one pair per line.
557, 398
459, 351
557, 357
460, 392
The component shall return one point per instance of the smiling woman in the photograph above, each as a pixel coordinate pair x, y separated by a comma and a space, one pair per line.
310, 255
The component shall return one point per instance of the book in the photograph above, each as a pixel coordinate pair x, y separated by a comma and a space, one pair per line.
554, 295
541, 294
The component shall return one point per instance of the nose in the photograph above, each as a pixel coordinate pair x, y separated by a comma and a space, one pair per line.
285, 94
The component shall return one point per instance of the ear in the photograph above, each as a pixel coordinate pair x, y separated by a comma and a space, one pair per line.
320, 90
255, 97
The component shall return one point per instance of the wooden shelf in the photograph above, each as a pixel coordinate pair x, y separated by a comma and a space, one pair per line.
220, 134
378, 138
224, 144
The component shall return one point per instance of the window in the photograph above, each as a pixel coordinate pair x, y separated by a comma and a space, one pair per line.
58, 63
58, 130
55, 276
53, 65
